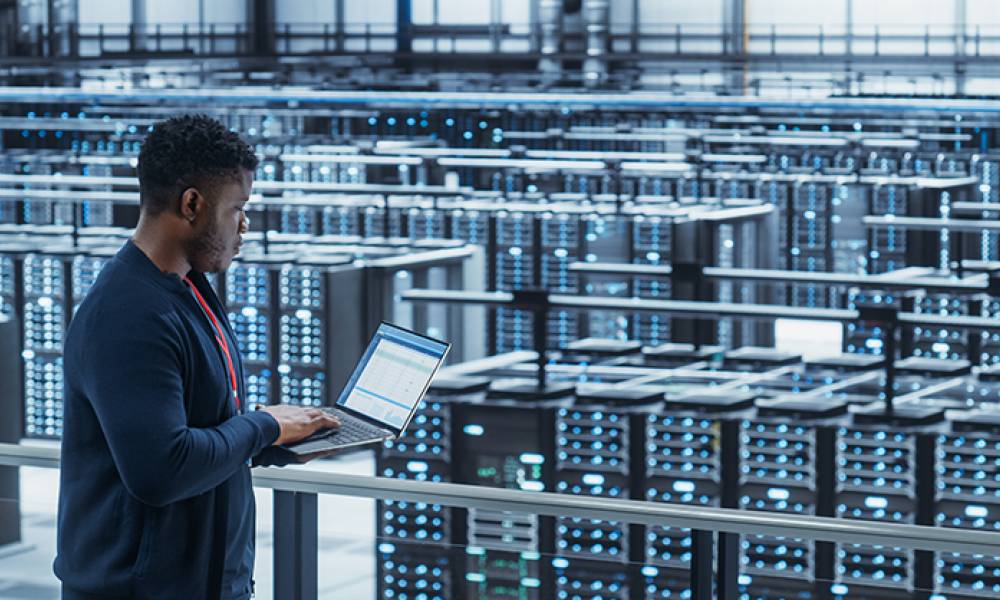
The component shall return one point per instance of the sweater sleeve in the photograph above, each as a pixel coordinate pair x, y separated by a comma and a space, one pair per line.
274, 456
134, 383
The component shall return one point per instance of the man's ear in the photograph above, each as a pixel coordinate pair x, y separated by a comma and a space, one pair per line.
191, 204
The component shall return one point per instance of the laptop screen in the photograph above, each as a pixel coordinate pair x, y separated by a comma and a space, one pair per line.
392, 375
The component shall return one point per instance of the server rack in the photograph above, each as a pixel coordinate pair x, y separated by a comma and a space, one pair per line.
885, 471
85, 270
561, 238
652, 243
420, 541
967, 461
250, 289
866, 337
691, 457
342, 219
788, 460
46, 303
313, 343
8, 278
513, 269
810, 224
503, 448
598, 452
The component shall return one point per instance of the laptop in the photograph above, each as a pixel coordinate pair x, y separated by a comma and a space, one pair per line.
383, 392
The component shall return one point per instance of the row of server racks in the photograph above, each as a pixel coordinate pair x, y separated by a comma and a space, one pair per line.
532, 245
794, 454
287, 308
820, 212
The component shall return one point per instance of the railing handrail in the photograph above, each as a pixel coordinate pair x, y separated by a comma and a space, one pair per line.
744, 522
720, 27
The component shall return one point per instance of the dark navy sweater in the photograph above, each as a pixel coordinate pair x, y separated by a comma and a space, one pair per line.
155, 497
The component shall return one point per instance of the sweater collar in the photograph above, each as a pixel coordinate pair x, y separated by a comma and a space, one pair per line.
133, 256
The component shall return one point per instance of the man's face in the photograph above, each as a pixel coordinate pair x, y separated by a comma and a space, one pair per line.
217, 239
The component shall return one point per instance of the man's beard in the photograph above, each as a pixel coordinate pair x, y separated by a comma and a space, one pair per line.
206, 252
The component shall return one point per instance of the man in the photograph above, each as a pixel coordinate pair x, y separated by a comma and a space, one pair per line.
155, 492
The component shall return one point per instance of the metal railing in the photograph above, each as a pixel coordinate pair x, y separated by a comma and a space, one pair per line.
490, 39
296, 541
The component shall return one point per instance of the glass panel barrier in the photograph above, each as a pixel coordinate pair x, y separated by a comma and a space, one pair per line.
28, 537
406, 550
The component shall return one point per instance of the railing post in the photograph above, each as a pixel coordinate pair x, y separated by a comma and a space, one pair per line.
728, 572
10, 427
341, 29
634, 32
702, 543
296, 545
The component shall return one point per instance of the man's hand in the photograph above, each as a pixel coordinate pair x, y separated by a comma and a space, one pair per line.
298, 423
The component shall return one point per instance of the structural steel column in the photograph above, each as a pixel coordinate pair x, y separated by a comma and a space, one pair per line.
404, 26
597, 23
137, 31
734, 42
63, 17
260, 19
31, 20
341, 25
550, 14
849, 27
961, 22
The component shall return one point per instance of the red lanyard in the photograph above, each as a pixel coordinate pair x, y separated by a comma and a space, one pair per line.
220, 337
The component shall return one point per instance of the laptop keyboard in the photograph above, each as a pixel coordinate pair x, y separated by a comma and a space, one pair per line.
351, 429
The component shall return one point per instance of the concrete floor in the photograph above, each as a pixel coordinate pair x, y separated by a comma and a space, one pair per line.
346, 538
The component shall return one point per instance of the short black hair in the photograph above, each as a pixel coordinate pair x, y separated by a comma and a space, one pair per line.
186, 151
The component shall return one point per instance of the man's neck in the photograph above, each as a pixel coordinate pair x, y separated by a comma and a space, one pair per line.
163, 250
